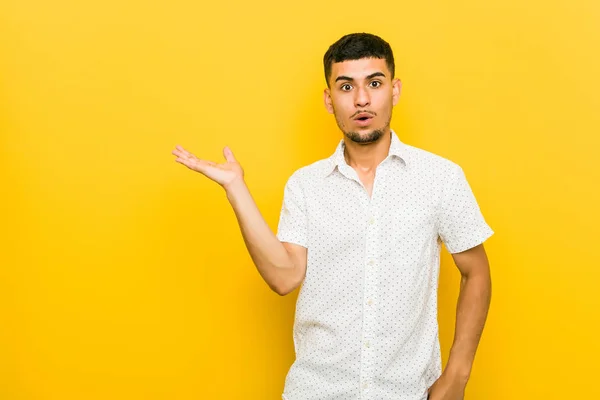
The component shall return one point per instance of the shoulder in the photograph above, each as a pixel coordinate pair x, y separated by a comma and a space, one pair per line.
309, 174
431, 163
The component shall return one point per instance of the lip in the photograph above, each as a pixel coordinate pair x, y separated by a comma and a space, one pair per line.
365, 122
363, 115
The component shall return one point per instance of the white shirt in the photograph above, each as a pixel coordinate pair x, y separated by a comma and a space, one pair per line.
366, 316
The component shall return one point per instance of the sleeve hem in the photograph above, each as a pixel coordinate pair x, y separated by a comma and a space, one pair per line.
299, 242
470, 244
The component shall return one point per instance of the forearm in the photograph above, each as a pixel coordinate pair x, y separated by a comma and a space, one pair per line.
268, 254
471, 314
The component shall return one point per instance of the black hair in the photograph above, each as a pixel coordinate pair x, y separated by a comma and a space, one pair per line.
355, 46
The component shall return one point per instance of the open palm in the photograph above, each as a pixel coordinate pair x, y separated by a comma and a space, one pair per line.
224, 174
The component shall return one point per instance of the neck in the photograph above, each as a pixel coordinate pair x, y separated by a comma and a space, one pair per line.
365, 158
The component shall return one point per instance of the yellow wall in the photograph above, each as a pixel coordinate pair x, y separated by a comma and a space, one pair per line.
123, 275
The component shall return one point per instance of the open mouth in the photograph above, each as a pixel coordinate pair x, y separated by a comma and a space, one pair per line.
363, 119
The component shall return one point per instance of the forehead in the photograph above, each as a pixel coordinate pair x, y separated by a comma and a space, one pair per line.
359, 69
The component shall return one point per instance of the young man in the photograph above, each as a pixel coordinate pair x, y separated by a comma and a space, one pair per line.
362, 232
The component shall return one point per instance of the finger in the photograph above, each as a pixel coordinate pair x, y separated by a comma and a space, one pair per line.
229, 154
185, 161
187, 155
201, 166
179, 153
183, 151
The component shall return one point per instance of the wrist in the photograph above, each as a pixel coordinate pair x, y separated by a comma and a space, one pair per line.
234, 187
459, 372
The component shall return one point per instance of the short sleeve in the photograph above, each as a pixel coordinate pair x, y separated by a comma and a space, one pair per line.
293, 220
461, 224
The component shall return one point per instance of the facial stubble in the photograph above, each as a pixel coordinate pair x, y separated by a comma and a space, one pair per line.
365, 137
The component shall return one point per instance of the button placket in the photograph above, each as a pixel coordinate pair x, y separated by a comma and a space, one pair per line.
371, 282
371, 279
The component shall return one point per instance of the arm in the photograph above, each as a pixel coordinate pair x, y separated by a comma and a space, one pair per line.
463, 230
471, 313
281, 265
472, 308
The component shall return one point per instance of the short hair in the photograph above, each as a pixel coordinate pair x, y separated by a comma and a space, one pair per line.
355, 46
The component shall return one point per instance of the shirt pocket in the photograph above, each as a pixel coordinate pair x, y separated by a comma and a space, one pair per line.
411, 230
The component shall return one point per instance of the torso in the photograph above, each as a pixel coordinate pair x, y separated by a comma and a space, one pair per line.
366, 311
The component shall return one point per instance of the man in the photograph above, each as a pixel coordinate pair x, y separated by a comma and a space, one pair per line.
362, 232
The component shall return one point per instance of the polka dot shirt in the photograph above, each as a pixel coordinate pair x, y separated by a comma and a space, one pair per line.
366, 316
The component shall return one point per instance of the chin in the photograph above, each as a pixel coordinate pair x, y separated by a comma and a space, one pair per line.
365, 136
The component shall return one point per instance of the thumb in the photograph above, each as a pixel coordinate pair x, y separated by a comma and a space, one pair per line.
228, 154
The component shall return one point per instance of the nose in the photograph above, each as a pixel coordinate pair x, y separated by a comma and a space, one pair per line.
362, 98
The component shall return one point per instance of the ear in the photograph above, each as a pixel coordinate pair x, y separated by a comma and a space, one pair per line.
327, 100
396, 89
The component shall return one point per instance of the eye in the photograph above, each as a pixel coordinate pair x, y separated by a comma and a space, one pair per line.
376, 83
345, 87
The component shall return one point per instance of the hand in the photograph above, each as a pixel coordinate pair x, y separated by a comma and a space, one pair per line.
224, 174
447, 387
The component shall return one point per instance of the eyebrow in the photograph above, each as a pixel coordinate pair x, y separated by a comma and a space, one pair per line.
347, 78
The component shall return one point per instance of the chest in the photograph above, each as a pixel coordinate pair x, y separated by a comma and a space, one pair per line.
397, 212
367, 181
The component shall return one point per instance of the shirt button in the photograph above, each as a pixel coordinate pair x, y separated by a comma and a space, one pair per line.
371, 221
367, 344
365, 385
371, 262
370, 302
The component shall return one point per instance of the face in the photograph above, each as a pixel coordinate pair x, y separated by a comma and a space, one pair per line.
361, 95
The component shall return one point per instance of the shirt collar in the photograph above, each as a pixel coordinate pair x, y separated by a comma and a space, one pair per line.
397, 148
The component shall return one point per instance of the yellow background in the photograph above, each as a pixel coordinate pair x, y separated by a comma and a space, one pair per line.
124, 275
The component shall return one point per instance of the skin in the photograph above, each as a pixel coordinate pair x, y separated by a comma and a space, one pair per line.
366, 85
